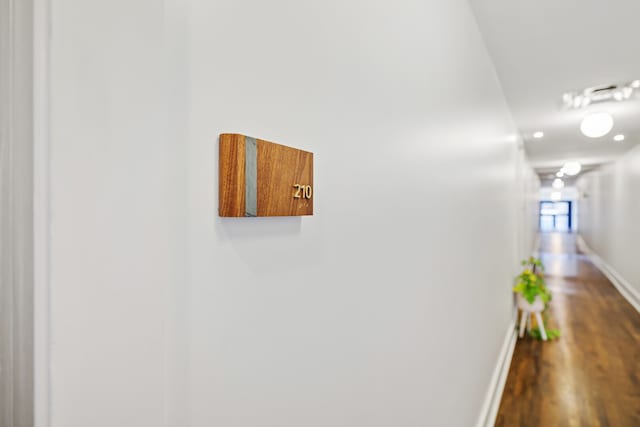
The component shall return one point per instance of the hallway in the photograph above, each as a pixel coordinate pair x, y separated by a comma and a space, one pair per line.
312, 213
591, 375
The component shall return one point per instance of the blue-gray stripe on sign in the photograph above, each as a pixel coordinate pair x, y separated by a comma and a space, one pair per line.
251, 176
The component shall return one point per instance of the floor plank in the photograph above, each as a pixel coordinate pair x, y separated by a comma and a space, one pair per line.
591, 375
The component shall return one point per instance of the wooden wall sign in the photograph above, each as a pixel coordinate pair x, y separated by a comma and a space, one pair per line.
261, 178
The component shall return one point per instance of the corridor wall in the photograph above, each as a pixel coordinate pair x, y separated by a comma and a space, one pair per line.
609, 212
529, 205
16, 215
118, 214
389, 306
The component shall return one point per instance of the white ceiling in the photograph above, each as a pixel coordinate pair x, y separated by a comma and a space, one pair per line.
544, 48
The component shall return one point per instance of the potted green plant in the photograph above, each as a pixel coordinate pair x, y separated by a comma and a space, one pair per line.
533, 298
530, 286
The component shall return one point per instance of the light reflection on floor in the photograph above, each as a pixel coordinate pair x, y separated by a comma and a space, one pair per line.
558, 254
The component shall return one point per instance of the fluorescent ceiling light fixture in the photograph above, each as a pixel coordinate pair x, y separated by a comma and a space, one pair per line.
596, 125
539, 134
605, 93
556, 196
560, 174
558, 184
618, 138
572, 168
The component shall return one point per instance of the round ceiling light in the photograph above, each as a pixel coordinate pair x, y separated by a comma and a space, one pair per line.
618, 138
560, 174
596, 125
539, 134
572, 168
558, 184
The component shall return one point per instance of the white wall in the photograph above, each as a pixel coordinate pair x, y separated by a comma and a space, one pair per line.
118, 207
529, 192
387, 307
16, 214
609, 212
365, 313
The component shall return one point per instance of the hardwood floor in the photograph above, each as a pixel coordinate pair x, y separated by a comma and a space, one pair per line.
591, 375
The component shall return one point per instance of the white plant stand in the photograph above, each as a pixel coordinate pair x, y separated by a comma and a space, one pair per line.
536, 308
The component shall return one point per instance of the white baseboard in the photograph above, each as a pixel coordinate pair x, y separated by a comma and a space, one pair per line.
622, 285
493, 397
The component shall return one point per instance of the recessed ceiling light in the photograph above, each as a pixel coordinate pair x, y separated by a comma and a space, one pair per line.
618, 138
596, 125
558, 184
539, 134
560, 174
572, 168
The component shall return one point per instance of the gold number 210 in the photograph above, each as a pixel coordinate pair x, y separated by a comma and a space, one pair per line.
302, 191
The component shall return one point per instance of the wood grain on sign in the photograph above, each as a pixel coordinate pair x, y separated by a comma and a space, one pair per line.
231, 175
261, 178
